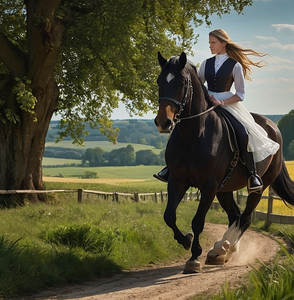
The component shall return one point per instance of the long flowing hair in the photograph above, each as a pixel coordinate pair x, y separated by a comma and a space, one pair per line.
238, 53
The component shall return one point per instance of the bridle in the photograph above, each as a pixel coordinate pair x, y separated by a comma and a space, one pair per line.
188, 87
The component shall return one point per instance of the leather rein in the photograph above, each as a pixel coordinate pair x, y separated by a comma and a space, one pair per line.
182, 105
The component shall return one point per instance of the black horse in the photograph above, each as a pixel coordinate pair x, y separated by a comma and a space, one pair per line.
199, 154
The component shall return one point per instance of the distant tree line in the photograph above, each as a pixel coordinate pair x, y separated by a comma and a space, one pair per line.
125, 156
131, 131
145, 132
286, 126
94, 157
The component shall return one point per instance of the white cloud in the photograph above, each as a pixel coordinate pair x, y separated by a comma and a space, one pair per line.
266, 38
287, 47
274, 81
278, 64
280, 27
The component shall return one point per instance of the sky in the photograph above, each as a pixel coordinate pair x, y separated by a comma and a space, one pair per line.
266, 26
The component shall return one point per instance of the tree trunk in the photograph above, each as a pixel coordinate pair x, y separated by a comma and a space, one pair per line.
22, 143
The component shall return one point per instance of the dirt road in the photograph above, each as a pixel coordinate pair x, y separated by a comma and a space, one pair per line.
167, 282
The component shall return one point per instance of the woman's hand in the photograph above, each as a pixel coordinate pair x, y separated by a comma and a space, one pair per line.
214, 101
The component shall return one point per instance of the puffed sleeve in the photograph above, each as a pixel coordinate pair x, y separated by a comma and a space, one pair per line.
201, 71
239, 81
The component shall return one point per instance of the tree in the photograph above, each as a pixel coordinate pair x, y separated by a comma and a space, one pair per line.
147, 157
79, 58
124, 156
93, 157
286, 126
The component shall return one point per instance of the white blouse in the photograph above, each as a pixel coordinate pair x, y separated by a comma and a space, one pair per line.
239, 82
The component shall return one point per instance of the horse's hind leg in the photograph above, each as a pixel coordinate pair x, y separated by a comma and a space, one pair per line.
246, 217
228, 203
229, 243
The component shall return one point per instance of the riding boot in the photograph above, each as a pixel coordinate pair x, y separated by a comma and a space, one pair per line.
162, 174
254, 182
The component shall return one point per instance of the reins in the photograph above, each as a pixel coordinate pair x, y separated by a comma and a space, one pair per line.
198, 115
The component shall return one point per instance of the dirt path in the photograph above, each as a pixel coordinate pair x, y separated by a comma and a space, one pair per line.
167, 282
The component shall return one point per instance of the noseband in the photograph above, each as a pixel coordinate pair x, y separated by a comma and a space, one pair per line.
181, 105
188, 86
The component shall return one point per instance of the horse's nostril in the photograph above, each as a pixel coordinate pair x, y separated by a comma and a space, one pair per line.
167, 124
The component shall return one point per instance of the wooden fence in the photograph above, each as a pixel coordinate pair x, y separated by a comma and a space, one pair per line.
268, 216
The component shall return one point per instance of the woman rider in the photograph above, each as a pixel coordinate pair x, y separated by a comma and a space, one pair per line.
229, 65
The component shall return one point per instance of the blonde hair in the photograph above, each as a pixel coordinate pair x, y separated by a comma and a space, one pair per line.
238, 53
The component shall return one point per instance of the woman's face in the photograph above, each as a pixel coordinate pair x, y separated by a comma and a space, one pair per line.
216, 46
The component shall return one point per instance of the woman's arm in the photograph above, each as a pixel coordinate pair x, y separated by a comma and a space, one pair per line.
239, 84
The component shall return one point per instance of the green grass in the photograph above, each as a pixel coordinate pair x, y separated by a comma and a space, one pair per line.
51, 161
44, 245
268, 282
134, 172
130, 187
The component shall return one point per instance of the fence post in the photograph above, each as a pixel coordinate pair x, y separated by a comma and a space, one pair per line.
136, 197
115, 196
80, 195
161, 196
269, 206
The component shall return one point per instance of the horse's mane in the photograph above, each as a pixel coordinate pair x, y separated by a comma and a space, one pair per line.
204, 89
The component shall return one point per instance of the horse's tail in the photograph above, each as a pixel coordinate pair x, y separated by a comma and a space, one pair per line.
283, 186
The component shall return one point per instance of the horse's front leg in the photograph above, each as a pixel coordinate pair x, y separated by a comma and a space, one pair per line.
175, 195
207, 195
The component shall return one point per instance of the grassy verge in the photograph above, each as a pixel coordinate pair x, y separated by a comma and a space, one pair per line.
44, 245
268, 282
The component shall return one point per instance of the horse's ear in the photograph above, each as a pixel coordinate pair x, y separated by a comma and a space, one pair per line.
183, 60
162, 61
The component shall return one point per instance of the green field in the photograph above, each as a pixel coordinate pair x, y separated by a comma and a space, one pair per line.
133, 172
105, 145
51, 161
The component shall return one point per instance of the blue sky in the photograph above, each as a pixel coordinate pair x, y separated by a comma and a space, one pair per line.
267, 26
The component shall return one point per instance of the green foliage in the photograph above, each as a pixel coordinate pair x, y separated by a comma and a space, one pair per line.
286, 126
81, 236
89, 174
93, 157
98, 64
147, 157
24, 96
129, 131
122, 157
266, 282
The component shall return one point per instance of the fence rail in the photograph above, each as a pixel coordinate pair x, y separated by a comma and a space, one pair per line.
268, 216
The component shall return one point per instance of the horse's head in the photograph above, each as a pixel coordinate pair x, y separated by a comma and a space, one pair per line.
174, 84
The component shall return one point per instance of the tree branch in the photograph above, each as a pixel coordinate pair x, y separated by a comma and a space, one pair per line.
12, 57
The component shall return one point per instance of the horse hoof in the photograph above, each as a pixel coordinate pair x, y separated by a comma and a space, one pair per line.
192, 266
213, 259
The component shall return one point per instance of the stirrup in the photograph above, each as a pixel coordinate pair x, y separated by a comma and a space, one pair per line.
157, 176
162, 175
257, 188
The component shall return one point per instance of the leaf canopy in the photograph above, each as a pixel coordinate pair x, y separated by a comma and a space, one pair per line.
108, 51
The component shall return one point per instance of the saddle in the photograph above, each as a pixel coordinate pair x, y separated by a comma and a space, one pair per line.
232, 142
